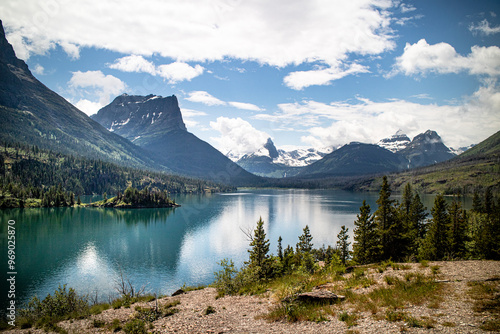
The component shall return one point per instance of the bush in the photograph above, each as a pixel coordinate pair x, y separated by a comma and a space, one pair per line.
64, 304
135, 326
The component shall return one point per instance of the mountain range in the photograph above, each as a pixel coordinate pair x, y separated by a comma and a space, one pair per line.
391, 154
148, 132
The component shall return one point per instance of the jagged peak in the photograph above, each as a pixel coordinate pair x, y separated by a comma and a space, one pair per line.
7, 53
273, 152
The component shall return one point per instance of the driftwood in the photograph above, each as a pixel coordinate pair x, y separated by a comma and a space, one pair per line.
315, 296
319, 295
178, 292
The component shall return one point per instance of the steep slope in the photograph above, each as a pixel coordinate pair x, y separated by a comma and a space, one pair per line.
355, 159
155, 124
426, 149
33, 114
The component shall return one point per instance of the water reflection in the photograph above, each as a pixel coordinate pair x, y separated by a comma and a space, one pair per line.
87, 248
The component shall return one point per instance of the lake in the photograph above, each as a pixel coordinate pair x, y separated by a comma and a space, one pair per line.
89, 248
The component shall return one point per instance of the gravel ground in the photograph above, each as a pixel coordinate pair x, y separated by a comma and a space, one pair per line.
242, 314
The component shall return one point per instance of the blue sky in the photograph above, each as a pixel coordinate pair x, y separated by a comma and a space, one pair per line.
312, 73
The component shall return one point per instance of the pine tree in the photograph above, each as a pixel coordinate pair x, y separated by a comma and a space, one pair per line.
477, 205
418, 216
384, 219
436, 243
458, 228
365, 246
343, 244
259, 257
280, 248
305, 244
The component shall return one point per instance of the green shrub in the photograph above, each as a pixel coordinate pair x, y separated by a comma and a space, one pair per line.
135, 326
349, 319
64, 304
209, 310
116, 326
98, 323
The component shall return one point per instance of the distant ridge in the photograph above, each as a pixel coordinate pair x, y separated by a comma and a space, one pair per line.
355, 159
476, 169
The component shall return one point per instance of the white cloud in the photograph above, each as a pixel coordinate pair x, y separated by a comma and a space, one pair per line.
71, 49
320, 31
484, 28
39, 69
179, 71
462, 124
88, 107
245, 106
173, 72
95, 83
422, 58
405, 8
302, 79
205, 98
134, 63
189, 116
210, 100
237, 136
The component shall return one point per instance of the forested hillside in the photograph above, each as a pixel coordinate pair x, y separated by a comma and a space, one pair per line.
28, 173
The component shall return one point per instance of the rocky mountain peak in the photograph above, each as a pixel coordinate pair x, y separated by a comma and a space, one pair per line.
273, 152
396, 142
428, 137
134, 116
7, 54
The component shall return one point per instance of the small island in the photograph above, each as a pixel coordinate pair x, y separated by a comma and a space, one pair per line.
137, 199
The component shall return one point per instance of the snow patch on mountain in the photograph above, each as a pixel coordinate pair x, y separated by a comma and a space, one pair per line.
396, 142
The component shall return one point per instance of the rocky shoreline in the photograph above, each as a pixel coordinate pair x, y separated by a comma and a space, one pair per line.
201, 312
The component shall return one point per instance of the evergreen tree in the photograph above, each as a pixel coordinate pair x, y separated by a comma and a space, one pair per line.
305, 244
418, 215
259, 253
488, 202
458, 228
343, 244
385, 218
436, 243
365, 246
280, 248
477, 205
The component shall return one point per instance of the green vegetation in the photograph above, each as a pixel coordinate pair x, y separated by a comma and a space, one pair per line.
401, 231
32, 177
64, 304
397, 231
486, 297
133, 198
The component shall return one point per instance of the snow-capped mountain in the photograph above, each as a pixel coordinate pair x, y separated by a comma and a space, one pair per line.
301, 157
396, 142
272, 162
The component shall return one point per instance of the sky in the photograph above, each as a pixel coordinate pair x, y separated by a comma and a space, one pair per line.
306, 73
